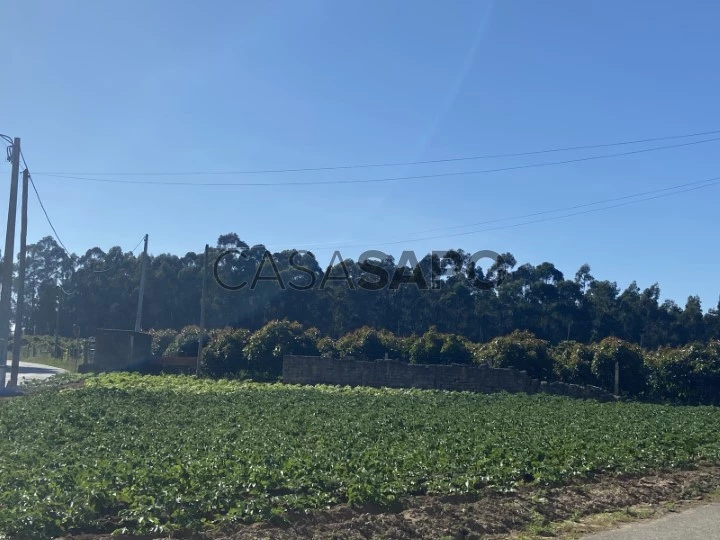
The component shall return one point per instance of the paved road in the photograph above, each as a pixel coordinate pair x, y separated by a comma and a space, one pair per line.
30, 370
699, 523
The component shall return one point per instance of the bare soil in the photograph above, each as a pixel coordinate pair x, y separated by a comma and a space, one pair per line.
529, 511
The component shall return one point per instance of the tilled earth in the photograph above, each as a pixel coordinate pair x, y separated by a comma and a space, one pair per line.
492, 515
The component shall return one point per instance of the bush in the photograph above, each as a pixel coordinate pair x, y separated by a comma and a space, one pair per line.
436, 348
326, 347
186, 342
362, 344
633, 373
161, 340
689, 374
572, 363
266, 347
519, 350
224, 354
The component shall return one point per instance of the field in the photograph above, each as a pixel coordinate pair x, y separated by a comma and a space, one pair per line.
157, 454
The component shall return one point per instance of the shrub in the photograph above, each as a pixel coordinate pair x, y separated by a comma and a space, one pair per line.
436, 348
633, 374
161, 340
520, 350
224, 354
689, 374
363, 344
186, 342
572, 363
266, 347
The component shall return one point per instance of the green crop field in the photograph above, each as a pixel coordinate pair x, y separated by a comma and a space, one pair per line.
160, 453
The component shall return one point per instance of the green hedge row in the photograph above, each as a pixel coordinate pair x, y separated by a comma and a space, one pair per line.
690, 374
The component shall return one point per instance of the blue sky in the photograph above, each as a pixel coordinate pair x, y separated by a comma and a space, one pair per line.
169, 86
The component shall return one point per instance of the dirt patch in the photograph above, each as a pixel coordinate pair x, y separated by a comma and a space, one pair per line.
560, 511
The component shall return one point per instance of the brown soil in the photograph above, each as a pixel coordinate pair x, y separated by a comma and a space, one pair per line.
493, 515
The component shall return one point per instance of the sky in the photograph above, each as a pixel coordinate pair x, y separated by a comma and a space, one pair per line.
96, 87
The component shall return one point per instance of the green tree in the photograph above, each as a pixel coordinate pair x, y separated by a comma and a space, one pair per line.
520, 350
266, 347
632, 370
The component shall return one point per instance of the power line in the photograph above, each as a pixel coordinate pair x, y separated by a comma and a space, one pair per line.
116, 267
553, 218
47, 217
391, 164
138, 245
701, 184
584, 205
387, 179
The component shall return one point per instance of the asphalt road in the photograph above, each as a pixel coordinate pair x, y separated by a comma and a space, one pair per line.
699, 523
30, 370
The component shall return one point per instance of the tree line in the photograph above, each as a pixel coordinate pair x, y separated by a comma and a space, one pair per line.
689, 374
99, 289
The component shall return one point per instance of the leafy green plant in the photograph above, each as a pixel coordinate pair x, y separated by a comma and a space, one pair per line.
631, 366
224, 354
162, 454
186, 342
161, 340
572, 363
436, 348
519, 350
266, 347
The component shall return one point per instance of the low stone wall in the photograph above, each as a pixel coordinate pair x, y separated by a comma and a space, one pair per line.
395, 374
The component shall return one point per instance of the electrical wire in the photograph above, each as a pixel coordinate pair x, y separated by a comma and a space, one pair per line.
116, 267
716, 182
584, 205
138, 245
47, 217
57, 237
392, 164
674, 190
8, 150
387, 179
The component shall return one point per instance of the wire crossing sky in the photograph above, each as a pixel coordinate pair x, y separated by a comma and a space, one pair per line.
441, 131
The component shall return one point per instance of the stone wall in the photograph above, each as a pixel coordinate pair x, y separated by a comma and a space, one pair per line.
395, 374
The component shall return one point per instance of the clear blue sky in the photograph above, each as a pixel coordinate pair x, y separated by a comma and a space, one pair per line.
162, 86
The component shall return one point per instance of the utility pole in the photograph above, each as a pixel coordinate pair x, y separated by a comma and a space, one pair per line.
617, 378
202, 310
138, 317
56, 353
17, 335
7, 270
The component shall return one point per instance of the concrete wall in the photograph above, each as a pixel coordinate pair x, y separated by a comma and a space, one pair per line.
395, 374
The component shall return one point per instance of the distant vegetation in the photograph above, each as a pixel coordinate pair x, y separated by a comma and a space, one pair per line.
153, 454
555, 328
100, 291
688, 374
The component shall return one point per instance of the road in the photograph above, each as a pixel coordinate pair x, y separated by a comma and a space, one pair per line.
30, 370
699, 523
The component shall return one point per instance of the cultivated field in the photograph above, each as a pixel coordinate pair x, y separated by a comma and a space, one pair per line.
157, 454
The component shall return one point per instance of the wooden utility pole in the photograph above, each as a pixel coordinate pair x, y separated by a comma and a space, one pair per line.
17, 335
141, 294
56, 350
617, 378
7, 270
202, 310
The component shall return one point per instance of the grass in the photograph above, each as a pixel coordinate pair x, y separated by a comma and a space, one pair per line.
153, 454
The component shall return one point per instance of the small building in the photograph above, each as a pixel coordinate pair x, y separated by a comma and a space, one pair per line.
117, 350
